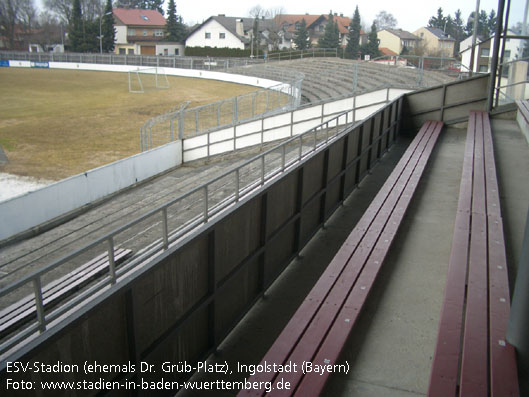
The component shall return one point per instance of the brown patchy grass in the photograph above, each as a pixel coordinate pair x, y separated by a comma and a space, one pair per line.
58, 123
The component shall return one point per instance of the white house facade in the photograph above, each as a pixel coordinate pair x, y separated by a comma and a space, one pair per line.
220, 32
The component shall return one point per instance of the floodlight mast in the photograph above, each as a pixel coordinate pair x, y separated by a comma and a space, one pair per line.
100, 33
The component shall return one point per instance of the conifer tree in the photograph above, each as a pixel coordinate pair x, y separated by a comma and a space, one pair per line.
75, 31
371, 47
301, 39
331, 35
107, 29
353, 39
175, 30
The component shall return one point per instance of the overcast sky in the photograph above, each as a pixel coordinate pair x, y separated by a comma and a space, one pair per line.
410, 14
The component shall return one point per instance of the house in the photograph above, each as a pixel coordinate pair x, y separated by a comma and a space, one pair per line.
397, 40
436, 42
236, 32
483, 52
141, 32
290, 23
222, 32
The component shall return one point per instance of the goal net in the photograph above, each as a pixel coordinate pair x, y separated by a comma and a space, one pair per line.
144, 79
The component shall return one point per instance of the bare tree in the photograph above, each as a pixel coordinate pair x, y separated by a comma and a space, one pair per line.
27, 14
9, 15
61, 8
385, 20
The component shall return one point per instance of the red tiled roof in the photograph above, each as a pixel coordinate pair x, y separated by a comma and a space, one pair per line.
387, 51
137, 17
291, 19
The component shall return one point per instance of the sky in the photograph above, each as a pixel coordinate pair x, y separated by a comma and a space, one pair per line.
410, 14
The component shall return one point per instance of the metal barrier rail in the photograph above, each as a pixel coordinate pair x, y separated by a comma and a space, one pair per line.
280, 158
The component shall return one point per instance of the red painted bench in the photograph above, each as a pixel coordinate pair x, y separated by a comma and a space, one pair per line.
472, 356
321, 326
24, 310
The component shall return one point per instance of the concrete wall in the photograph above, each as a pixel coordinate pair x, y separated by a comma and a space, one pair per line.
449, 103
284, 125
182, 304
200, 74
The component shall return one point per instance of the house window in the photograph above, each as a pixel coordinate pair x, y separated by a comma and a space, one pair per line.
130, 51
122, 51
485, 52
177, 51
222, 35
298, 25
145, 32
131, 32
320, 28
158, 32
208, 35
483, 68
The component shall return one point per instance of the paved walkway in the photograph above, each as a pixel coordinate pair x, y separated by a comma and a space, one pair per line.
390, 351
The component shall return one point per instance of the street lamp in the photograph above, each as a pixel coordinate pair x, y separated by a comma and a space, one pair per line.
100, 33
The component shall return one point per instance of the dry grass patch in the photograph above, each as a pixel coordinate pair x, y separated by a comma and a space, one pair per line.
58, 123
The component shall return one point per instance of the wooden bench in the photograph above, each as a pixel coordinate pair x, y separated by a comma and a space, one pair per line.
472, 356
24, 310
321, 326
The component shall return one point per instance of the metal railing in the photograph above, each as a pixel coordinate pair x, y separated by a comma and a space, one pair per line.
200, 205
184, 123
516, 86
182, 62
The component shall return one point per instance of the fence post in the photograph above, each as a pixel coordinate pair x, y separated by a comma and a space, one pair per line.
39, 304
235, 110
181, 122
111, 263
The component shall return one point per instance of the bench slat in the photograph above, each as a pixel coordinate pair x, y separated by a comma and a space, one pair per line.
479, 251
503, 371
445, 368
330, 351
318, 311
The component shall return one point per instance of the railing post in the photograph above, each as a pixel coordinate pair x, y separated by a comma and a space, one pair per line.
37, 288
283, 157
111, 263
262, 170
165, 229
205, 203
237, 184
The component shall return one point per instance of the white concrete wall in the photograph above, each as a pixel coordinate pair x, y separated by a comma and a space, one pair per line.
121, 34
285, 125
199, 74
34, 208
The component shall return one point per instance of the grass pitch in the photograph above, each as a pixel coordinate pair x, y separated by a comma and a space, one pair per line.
58, 123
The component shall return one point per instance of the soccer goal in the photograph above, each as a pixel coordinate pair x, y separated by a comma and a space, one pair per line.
144, 79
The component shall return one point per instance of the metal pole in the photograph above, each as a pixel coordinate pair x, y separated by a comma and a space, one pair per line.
496, 51
505, 32
474, 37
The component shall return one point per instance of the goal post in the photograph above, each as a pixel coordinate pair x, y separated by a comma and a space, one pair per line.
144, 79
